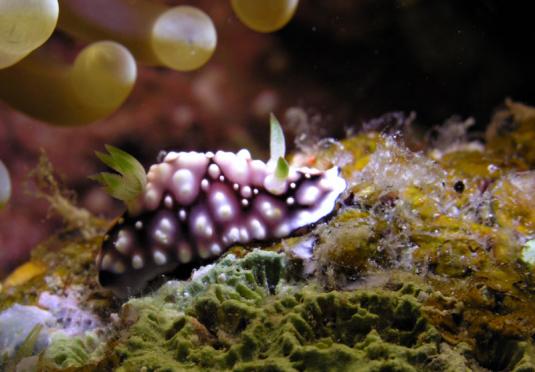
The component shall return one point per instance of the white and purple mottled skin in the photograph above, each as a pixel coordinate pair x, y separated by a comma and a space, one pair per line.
197, 205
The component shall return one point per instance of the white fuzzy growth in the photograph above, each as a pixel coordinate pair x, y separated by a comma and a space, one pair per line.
528, 252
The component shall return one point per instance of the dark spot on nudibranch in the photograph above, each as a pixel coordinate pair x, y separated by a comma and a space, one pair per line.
197, 205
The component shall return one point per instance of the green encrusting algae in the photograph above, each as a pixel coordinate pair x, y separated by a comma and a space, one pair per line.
243, 315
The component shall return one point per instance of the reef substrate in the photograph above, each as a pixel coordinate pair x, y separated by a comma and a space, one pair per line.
428, 264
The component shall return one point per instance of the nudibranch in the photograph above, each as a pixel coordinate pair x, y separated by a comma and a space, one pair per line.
194, 206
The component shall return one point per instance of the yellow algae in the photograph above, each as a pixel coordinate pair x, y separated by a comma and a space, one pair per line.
420, 202
514, 198
24, 273
514, 144
470, 164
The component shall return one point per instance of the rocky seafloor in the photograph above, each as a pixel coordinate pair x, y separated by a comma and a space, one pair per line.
428, 263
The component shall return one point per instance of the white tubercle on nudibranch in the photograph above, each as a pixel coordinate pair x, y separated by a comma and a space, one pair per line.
195, 206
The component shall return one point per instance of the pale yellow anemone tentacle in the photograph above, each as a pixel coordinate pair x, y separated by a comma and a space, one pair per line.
182, 38
24, 26
264, 15
5, 185
98, 82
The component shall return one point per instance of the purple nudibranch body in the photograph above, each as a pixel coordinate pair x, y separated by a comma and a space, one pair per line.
197, 205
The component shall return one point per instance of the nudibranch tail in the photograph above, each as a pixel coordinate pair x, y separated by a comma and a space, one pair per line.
196, 205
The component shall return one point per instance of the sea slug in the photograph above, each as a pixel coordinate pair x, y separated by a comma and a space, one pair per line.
194, 206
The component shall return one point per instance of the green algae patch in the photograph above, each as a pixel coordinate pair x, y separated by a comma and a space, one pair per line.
303, 330
72, 352
243, 314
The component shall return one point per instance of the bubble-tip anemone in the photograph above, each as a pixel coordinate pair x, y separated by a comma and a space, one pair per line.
99, 81
5, 185
182, 38
24, 26
265, 15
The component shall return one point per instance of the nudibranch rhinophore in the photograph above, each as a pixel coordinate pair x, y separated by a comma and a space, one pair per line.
195, 206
